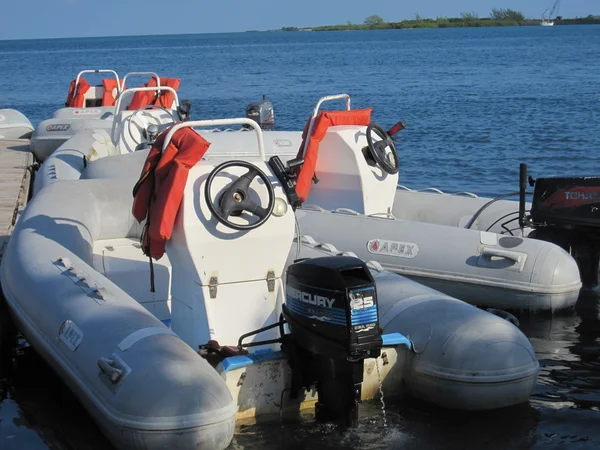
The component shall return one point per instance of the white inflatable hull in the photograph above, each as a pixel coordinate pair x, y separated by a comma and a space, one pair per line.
459, 210
51, 133
73, 156
482, 268
14, 125
163, 395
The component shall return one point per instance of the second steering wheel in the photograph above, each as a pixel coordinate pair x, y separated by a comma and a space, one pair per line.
388, 161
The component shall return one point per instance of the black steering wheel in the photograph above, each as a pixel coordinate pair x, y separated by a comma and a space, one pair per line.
236, 199
388, 161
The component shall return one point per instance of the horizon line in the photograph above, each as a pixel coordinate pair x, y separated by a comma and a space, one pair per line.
219, 32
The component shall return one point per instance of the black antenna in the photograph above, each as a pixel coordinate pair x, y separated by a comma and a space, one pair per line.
522, 187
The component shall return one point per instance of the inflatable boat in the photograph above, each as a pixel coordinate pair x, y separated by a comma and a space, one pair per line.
356, 205
14, 125
243, 319
93, 107
132, 133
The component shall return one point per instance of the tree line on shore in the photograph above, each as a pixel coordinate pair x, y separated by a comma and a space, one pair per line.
498, 17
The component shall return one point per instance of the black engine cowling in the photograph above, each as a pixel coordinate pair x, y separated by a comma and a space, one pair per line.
331, 311
569, 203
566, 212
262, 113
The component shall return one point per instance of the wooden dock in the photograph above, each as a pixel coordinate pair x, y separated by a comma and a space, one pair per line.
15, 180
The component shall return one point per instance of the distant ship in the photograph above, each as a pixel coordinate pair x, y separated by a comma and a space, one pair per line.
547, 19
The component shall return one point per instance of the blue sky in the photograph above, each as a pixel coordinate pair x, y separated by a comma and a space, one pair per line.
22, 19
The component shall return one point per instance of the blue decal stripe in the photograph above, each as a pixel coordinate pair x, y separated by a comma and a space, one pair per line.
236, 362
304, 312
364, 316
334, 312
369, 314
396, 339
364, 312
333, 315
363, 322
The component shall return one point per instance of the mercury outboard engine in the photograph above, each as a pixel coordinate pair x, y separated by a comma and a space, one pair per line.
262, 113
566, 212
331, 311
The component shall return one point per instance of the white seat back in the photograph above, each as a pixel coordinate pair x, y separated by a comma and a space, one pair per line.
346, 180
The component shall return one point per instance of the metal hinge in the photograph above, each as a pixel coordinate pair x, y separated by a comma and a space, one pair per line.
271, 280
212, 287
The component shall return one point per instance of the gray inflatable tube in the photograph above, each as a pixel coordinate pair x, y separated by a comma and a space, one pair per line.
14, 125
142, 384
51, 133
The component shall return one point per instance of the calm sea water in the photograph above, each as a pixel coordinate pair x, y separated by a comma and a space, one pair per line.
477, 103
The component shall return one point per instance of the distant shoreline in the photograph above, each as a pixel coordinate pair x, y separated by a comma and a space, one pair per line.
465, 21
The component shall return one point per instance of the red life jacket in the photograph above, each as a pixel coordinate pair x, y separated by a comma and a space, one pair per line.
77, 101
164, 98
108, 98
322, 123
159, 191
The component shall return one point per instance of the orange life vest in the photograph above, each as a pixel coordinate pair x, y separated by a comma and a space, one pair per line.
164, 98
108, 98
159, 191
77, 101
322, 123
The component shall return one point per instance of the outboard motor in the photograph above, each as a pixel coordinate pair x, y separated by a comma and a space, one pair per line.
566, 212
262, 113
184, 110
331, 311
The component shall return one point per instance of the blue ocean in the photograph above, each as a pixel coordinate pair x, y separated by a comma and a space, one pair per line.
477, 102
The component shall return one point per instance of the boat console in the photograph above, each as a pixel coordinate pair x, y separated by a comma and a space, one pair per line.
357, 163
229, 246
228, 251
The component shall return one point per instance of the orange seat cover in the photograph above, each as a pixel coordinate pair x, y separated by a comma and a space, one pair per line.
165, 98
159, 191
322, 123
77, 101
109, 84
